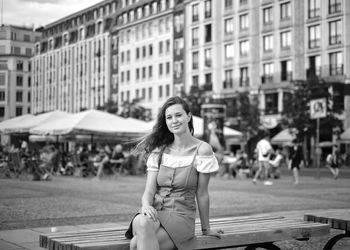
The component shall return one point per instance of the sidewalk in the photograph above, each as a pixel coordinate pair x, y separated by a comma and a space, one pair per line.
29, 238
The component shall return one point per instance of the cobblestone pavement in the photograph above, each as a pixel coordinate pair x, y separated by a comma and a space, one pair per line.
28, 208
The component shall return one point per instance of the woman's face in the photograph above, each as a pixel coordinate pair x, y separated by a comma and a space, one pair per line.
176, 119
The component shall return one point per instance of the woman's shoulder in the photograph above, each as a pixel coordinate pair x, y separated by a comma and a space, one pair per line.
204, 149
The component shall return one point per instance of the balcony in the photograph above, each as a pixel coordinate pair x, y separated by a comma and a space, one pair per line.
266, 79
314, 43
336, 69
335, 39
244, 82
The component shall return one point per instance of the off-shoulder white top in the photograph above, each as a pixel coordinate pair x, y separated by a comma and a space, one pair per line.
203, 164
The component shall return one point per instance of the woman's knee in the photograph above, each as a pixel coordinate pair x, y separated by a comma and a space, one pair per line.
143, 224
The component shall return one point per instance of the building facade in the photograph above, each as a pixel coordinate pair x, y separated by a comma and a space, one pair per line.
263, 46
16, 49
148, 50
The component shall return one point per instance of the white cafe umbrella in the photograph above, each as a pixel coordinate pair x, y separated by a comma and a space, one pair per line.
25, 125
89, 122
10, 123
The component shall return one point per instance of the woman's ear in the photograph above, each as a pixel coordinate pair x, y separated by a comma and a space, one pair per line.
189, 115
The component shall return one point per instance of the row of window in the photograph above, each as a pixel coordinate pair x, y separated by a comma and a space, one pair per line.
19, 111
146, 51
334, 34
146, 72
146, 30
19, 96
163, 92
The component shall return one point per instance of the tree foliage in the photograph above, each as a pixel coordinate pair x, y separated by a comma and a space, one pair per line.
135, 110
296, 113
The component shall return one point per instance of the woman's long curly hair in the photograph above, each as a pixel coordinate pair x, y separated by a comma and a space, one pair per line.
160, 137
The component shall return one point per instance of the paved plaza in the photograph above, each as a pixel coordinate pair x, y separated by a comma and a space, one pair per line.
28, 208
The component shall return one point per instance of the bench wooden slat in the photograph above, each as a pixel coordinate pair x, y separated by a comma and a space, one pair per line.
336, 220
239, 231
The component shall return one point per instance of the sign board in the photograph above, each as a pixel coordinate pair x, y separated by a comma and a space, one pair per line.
318, 108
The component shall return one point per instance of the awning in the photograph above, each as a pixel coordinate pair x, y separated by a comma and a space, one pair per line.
284, 137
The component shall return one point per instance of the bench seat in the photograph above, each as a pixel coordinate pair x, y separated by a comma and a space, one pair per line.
239, 231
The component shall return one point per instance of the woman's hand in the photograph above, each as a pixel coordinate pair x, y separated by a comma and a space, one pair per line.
211, 232
149, 211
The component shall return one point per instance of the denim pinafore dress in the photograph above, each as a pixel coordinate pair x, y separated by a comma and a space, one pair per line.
175, 202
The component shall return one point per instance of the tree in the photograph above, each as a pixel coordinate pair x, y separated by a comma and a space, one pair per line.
296, 113
195, 98
242, 113
135, 110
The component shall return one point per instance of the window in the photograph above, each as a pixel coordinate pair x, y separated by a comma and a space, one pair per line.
167, 68
2, 79
137, 74
208, 85
286, 11
314, 8
228, 83
286, 39
150, 71
244, 48
195, 58
19, 65
314, 66
228, 4
137, 53
228, 26
207, 30
160, 45
267, 16
286, 70
19, 111
122, 58
268, 71
207, 9
19, 96
335, 31
150, 49
2, 96
207, 57
160, 69
271, 103
19, 81
334, 6
229, 51
243, 22
150, 96
29, 97
195, 81
243, 77
144, 51
314, 36
128, 56
268, 43
128, 75
160, 91
167, 47
336, 63
2, 111
195, 16
195, 40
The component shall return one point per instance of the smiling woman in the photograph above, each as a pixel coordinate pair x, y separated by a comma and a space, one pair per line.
179, 167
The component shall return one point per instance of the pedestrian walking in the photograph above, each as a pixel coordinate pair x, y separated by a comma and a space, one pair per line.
333, 162
263, 150
296, 160
179, 167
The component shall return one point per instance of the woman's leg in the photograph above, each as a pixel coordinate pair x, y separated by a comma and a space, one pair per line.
296, 175
149, 235
144, 229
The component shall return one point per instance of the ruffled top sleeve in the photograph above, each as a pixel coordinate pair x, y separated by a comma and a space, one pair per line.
152, 161
206, 164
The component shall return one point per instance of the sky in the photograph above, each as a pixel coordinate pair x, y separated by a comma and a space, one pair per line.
40, 12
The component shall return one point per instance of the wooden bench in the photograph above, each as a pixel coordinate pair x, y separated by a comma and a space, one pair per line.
249, 231
336, 220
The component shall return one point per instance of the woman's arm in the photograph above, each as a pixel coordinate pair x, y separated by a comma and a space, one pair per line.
202, 194
148, 195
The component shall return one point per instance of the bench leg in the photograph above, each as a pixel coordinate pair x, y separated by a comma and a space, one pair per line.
267, 246
330, 244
